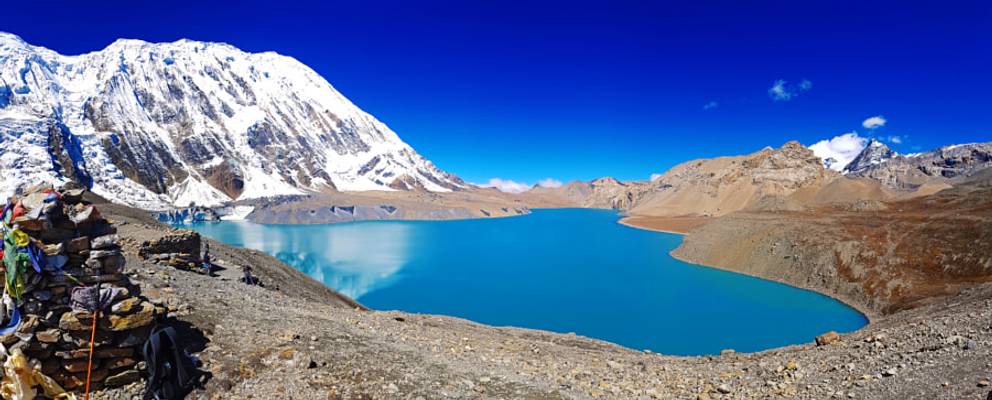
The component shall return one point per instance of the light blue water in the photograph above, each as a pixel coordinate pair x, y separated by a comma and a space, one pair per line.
566, 270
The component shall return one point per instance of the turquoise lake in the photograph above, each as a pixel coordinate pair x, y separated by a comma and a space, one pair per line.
562, 270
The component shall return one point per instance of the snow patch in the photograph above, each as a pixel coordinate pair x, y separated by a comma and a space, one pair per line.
238, 213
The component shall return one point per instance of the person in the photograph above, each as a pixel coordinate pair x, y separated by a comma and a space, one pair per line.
248, 278
207, 266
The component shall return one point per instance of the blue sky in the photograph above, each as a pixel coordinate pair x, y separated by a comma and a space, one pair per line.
579, 90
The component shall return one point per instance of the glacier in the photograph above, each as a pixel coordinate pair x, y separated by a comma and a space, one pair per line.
163, 125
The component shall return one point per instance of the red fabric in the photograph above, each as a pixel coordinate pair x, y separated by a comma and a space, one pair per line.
18, 211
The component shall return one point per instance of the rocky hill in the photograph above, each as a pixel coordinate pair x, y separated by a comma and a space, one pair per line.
155, 125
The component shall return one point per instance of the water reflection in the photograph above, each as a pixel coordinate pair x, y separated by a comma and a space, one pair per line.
354, 259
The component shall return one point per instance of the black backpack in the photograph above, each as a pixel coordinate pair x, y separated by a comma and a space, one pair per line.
172, 373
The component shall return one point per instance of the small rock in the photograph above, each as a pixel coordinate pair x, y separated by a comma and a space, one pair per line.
889, 372
125, 306
723, 388
123, 378
983, 383
48, 335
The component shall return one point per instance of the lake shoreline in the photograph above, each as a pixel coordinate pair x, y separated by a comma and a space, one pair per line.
869, 313
366, 260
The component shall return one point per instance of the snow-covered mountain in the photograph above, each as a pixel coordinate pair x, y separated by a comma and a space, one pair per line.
874, 153
156, 125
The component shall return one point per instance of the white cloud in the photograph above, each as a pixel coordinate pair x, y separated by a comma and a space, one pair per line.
895, 139
511, 186
839, 151
506, 185
781, 90
778, 91
711, 105
877, 121
655, 176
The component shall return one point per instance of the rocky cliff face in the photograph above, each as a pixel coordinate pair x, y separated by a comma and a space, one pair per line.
160, 124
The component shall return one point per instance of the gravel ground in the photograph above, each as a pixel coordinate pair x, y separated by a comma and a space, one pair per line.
295, 339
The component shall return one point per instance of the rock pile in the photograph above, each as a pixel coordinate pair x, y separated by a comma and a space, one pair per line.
57, 248
180, 249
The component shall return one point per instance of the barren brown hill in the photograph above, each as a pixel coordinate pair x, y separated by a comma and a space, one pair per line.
884, 258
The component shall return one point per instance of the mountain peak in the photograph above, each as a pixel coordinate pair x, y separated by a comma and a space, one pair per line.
874, 153
166, 124
128, 43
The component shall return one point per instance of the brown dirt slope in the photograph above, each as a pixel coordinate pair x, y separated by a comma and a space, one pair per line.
882, 258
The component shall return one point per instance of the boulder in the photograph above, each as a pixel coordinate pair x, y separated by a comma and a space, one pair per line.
827, 338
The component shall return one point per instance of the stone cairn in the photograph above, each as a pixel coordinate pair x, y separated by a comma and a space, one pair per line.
78, 248
179, 249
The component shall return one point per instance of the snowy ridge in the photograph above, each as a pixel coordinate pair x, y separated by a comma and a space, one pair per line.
156, 125
874, 153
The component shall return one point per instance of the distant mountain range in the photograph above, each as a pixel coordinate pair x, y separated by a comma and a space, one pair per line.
790, 178
156, 125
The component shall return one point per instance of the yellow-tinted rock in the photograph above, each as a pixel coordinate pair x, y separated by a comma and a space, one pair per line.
827, 338
126, 306
142, 317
